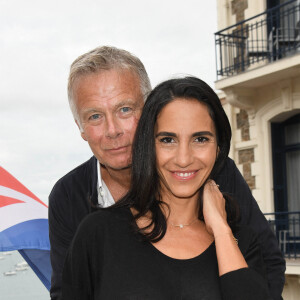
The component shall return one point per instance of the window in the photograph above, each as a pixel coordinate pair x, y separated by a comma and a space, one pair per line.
286, 164
286, 178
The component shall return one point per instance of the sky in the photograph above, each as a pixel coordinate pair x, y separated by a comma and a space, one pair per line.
39, 140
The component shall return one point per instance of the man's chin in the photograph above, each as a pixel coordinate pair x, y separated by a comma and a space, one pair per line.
119, 167
123, 168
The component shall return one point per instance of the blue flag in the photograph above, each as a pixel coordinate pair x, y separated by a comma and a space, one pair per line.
24, 225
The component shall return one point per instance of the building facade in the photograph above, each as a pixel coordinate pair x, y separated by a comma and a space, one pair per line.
258, 76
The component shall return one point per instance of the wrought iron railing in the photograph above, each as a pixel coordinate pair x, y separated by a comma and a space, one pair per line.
267, 37
286, 226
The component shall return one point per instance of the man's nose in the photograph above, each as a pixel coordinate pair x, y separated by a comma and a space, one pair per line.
113, 128
184, 156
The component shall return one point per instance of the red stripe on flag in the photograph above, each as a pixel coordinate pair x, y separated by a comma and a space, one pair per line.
4, 201
11, 182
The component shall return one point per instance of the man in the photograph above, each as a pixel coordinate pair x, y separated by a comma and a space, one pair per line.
107, 88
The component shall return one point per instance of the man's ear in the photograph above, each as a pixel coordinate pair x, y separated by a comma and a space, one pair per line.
81, 131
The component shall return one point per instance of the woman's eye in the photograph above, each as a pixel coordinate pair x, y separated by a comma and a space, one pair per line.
201, 139
167, 140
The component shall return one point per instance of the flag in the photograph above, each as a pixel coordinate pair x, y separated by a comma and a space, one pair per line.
24, 225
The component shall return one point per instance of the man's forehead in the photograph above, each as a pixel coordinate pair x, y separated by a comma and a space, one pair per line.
110, 77
108, 82
107, 91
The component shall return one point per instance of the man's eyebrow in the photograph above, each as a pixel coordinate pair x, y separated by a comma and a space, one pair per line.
117, 105
125, 102
166, 133
90, 110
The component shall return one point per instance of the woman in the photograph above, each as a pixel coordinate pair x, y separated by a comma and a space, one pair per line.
173, 236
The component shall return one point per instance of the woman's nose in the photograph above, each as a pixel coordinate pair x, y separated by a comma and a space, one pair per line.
184, 156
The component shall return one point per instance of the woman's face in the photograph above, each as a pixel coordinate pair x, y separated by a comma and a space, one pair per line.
186, 147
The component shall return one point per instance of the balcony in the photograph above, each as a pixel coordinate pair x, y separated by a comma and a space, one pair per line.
286, 226
262, 39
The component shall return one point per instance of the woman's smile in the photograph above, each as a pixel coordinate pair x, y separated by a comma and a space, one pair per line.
186, 175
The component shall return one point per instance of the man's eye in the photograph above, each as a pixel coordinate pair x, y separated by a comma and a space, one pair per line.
125, 109
94, 117
167, 140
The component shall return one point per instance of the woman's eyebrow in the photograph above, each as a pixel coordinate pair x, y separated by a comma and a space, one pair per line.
202, 133
166, 133
172, 134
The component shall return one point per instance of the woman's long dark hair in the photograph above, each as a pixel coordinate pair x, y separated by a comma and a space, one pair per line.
144, 193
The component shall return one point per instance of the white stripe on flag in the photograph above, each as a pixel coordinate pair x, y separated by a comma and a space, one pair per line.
13, 214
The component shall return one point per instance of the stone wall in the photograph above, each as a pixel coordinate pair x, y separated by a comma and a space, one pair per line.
242, 122
238, 9
245, 156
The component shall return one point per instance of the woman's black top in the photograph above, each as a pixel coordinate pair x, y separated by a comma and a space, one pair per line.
107, 260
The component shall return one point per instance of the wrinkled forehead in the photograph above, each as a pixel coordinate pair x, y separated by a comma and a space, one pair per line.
107, 84
103, 75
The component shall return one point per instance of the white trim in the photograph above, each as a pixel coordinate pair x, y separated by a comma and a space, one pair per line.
276, 108
105, 198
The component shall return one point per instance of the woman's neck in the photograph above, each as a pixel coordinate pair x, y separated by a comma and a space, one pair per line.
180, 210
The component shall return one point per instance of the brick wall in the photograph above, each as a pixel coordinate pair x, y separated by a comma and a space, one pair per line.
245, 156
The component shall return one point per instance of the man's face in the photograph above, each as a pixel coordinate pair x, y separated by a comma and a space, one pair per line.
109, 106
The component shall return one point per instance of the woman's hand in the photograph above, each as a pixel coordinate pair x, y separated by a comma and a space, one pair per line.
214, 210
229, 255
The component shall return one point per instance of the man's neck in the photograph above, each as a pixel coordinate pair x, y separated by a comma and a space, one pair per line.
117, 181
